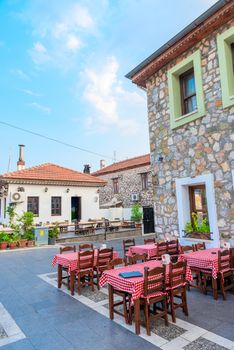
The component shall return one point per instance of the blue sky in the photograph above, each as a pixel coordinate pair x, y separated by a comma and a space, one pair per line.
62, 72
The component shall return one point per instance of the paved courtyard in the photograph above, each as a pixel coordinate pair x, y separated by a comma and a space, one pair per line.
34, 314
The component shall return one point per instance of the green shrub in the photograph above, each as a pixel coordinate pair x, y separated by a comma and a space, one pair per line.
136, 213
194, 225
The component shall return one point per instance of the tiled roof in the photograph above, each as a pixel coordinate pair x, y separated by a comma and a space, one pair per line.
51, 172
124, 164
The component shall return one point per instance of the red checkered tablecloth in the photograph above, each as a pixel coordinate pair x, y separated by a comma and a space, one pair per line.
134, 285
149, 249
70, 259
203, 259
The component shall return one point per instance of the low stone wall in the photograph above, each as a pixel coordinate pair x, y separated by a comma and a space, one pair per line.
99, 237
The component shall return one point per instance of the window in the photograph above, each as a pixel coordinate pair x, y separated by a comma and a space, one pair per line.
188, 92
33, 205
56, 206
144, 181
198, 202
116, 185
225, 44
186, 99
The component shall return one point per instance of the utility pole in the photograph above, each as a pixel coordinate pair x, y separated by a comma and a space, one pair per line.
114, 158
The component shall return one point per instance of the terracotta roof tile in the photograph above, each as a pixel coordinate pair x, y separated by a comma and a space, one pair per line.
51, 172
124, 164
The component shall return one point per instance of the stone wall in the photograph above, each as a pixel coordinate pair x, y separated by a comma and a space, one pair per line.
129, 182
200, 147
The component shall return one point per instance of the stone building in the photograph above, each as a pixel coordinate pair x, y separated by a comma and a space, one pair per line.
190, 93
128, 182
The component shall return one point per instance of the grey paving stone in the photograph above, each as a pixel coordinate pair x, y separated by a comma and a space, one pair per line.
24, 344
203, 344
94, 296
167, 332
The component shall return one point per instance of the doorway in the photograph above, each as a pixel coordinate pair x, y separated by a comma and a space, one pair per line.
75, 208
148, 220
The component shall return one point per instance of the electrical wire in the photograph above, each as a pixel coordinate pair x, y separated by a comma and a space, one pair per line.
55, 140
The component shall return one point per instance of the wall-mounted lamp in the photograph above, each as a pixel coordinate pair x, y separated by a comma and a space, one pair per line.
46, 189
67, 190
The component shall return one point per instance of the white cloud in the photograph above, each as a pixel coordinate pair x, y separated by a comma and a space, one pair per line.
39, 54
21, 74
30, 92
40, 107
73, 42
112, 103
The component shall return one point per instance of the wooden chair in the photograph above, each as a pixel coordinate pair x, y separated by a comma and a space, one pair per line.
85, 269
199, 246
85, 246
232, 257
173, 247
161, 249
196, 272
126, 245
177, 288
66, 249
154, 293
149, 240
104, 256
126, 297
225, 274
137, 258
186, 249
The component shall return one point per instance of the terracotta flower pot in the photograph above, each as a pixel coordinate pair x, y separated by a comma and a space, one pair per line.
30, 243
22, 243
12, 245
3, 245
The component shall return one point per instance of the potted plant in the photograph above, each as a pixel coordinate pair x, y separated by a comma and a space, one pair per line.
136, 215
30, 238
4, 239
13, 241
26, 229
53, 234
196, 229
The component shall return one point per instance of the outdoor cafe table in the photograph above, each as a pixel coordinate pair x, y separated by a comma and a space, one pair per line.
134, 286
149, 249
70, 260
205, 260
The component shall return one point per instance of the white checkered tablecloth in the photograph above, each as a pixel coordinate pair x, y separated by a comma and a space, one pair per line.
70, 259
134, 285
149, 249
203, 259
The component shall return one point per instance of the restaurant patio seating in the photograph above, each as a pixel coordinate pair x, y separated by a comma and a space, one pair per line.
225, 273
84, 270
199, 246
126, 297
177, 288
126, 245
104, 256
137, 258
161, 249
65, 268
154, 293
149, 240
196, 271
85, 246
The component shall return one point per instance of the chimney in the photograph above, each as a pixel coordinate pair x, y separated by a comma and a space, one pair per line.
102, 163
21, 162
86, 169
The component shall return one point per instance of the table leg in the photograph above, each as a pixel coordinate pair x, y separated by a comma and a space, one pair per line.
137, 316
111, 301
72, 282
59, 276
214, 286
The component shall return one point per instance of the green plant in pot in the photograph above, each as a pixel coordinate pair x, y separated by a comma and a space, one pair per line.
136, 214
13, 240
196, 229
26, 229
4, 239
53, 234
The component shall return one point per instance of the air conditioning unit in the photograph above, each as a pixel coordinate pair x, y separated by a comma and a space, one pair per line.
17, 197
135, 197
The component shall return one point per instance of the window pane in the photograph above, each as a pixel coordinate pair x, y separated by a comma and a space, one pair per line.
190, 85
191, 104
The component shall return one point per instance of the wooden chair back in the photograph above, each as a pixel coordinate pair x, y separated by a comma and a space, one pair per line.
104, 256
186, 249
200, 246
154, 280
127, 243
67, 249
232, 257
115, 262
173, 247
85, 260
224, 260
161, 248
137, 258
85, 246
149, 240
177, 274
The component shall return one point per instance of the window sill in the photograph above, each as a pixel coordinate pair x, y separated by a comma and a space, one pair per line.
187, 115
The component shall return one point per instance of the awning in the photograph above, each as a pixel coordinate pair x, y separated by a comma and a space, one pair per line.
112, 204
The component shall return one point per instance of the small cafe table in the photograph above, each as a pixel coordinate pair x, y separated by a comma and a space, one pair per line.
70, 260
148, 249
134, 286
205, 260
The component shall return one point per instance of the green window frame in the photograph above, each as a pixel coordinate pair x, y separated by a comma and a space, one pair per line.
177, 118
225, 54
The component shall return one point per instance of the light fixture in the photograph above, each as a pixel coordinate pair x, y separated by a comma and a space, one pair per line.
46, 189
68, 189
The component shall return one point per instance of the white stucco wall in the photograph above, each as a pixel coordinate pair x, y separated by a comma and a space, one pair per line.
89, 201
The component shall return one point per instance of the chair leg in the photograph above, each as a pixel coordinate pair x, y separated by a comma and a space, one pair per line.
205, 284
98, 287
78, 284
172, 307
91, 281
184, 300
147, 321
165, 310
126, 317
222, 287
214, 286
